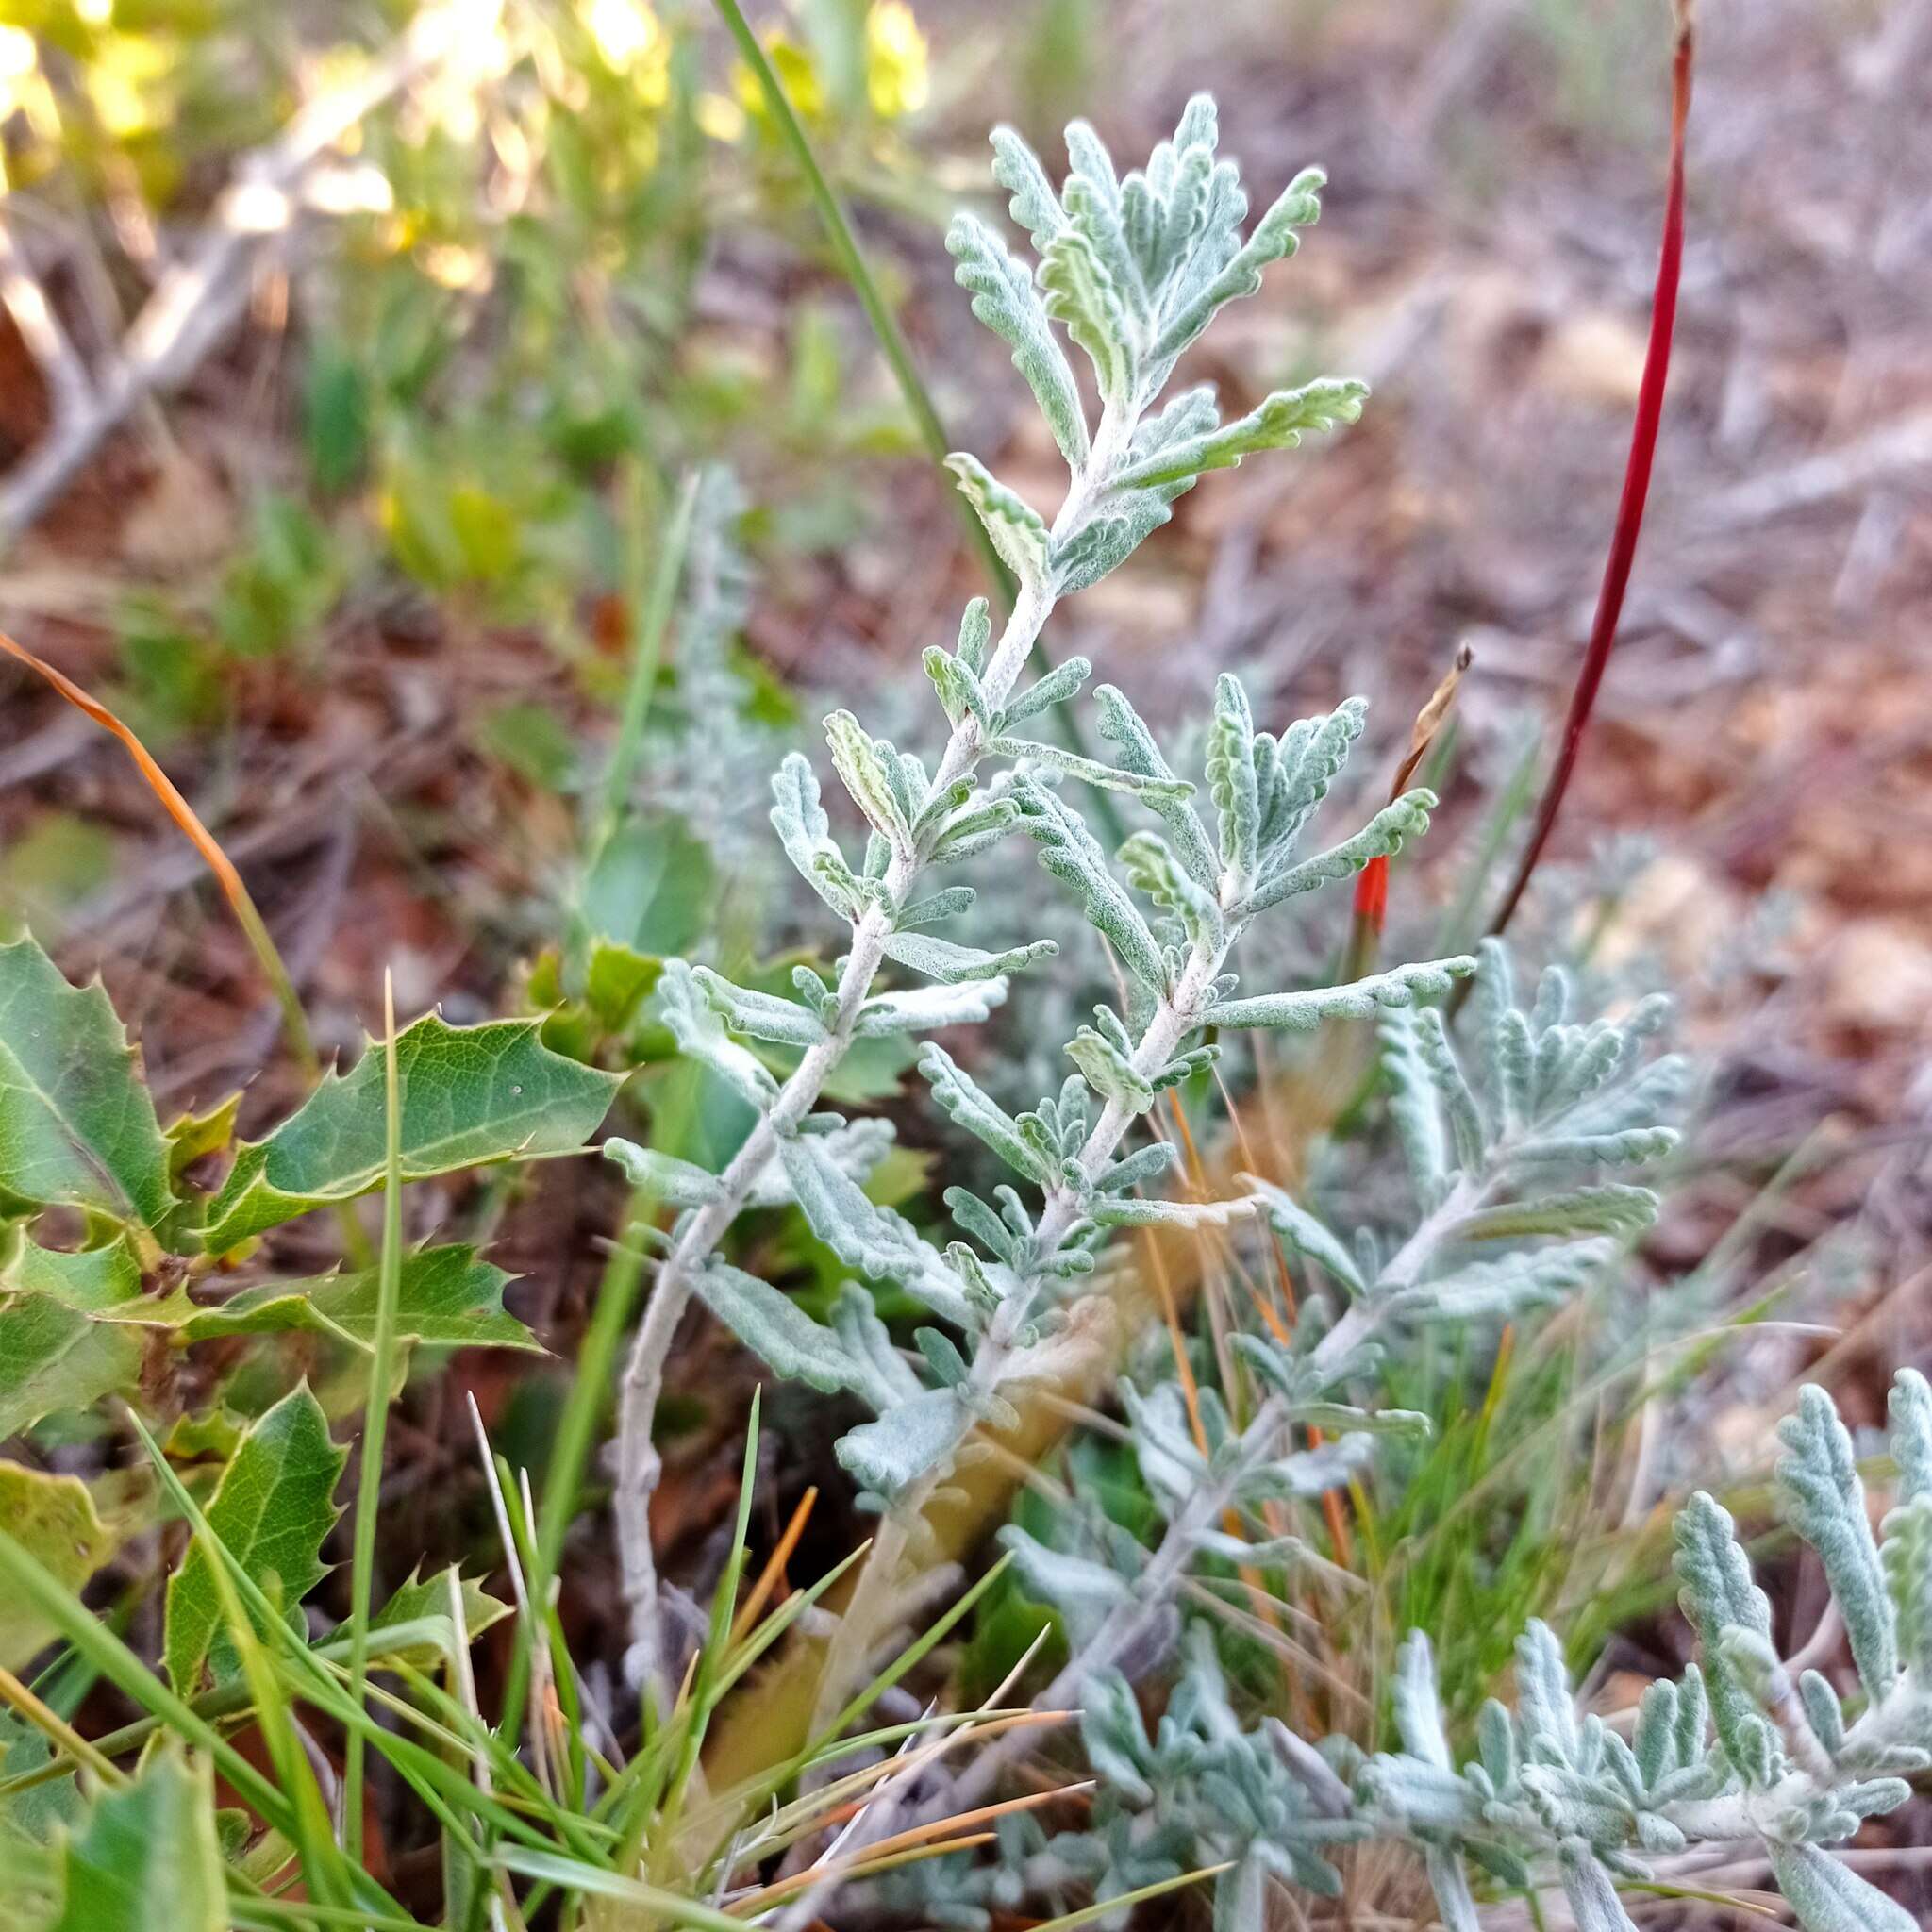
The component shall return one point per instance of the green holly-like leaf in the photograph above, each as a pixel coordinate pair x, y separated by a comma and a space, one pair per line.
421, 1597
77, 1126
447, 1298
52, 1359
53, 1517
272, 1511
471, 1095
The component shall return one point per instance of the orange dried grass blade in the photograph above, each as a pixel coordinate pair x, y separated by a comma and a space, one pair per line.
1372, 888
247, 915
775, 1565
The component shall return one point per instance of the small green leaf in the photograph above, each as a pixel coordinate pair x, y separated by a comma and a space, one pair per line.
147, 1855
471, 1095
53, 1517
651, 887
77, 1126
272, 1511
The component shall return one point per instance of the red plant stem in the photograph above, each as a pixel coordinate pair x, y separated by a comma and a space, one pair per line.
1372, 895
1650, 404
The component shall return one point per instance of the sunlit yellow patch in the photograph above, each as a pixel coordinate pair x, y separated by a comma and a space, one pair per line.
796, 76
19, 62
129, 80
898, 78
455, 267
631, 40
721, 117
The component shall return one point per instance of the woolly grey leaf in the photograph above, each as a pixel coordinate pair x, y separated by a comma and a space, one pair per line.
1383, 837
1828, 1897
1152, 869
1610, 1209
1171, 1464
1308, 1472
926, 1009
788, 1341
804, 832
672, 1182
1034, 205
959, 690
1017, 530
1484, 1291
1301, 1012
1083, 293
1716, 1593
880, 1244
1593, 1899
1298, 206
1125, 1212
1631, 1147
862, 770
910, 1440
1109, 1072
1912, 1433
1089, 771
1824, 1502
1043, 693
885, 1378
762, 1015
700, 1036
1308, 1236
1908, 1558
1546, 1708
1005, 299
1454, 1901
1113, 1736
1231, 777
1083, 1591
1419, 1704
1068, 851
954, 965
1120, 723
1104, 540
1413, 1106
961, 1097
1276, 424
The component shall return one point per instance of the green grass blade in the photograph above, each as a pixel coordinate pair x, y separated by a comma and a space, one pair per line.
375, 1416
569, 1876
1091, 1915
660, 602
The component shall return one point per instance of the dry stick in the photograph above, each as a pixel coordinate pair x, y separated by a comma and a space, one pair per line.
198, 301
1650, 403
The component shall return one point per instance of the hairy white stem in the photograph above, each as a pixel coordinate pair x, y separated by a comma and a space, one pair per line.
998, 1358
639, 1464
